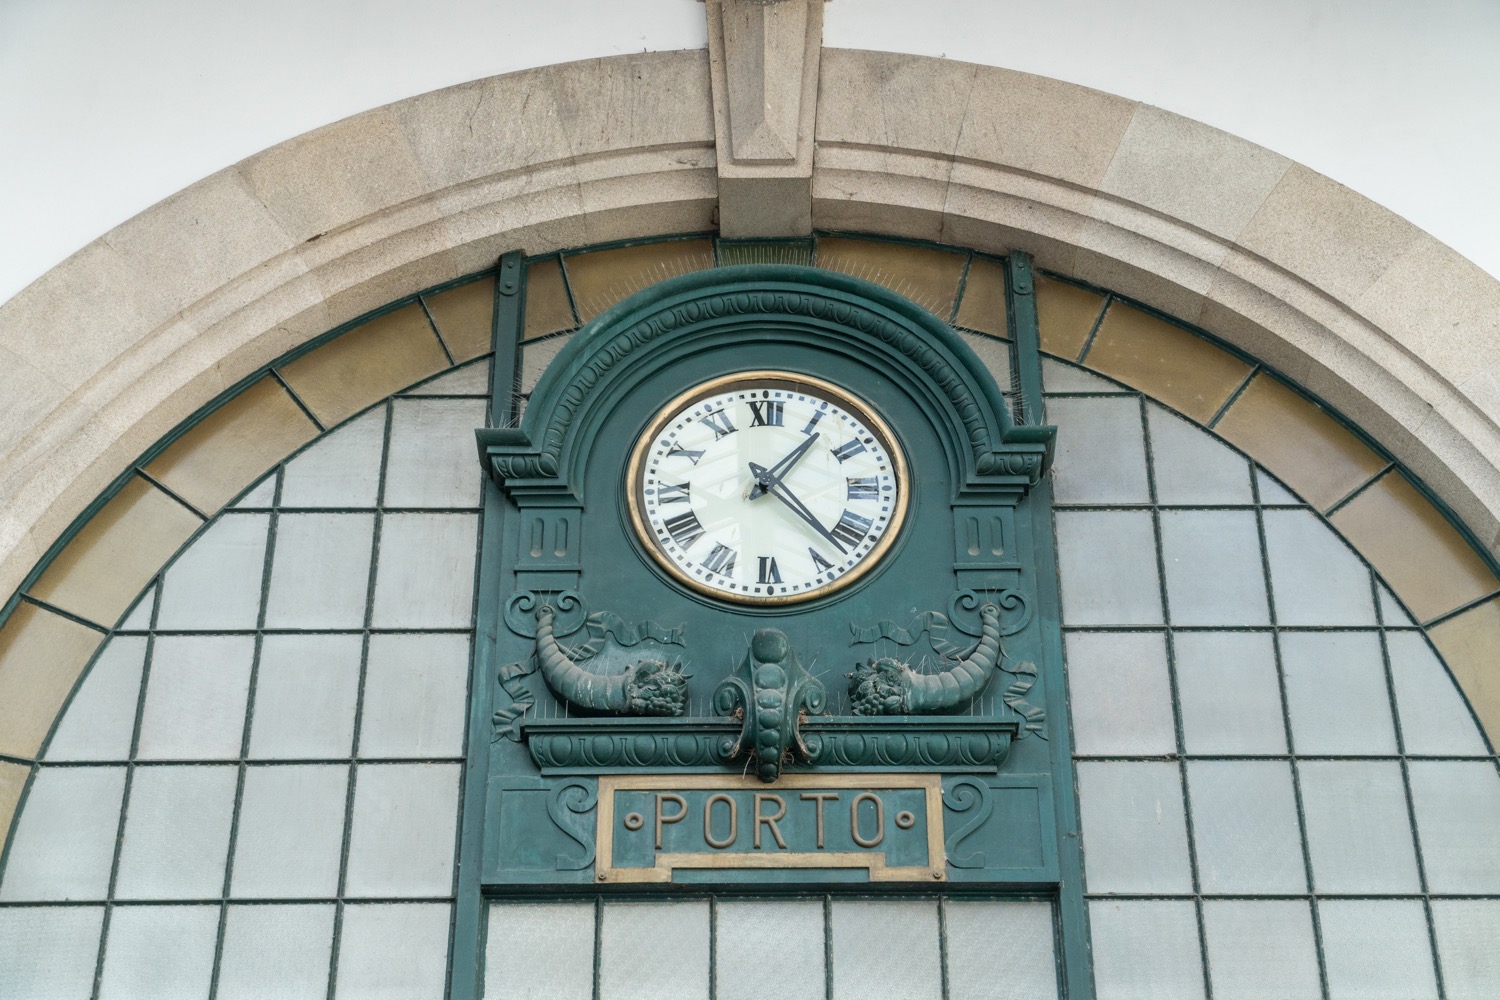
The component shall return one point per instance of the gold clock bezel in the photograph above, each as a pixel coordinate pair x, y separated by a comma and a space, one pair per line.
767, 378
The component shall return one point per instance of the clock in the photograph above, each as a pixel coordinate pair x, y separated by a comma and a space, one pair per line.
767, 487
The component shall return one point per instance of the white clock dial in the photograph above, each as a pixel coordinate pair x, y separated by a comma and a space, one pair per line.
767, 487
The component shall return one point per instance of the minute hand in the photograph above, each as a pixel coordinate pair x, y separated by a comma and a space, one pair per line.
778, 489
763, 477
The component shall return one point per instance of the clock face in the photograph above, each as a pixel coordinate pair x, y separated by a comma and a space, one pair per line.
767, 487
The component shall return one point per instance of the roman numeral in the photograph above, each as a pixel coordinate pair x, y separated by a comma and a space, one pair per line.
863, 488
817, 415
721, 560
768, 571
819, 561
848, 449
684, 528
719, 422
851, 528
766, 413
678, 493
678, 451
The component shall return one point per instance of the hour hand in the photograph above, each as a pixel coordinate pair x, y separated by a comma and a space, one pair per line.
778, 489
765, 477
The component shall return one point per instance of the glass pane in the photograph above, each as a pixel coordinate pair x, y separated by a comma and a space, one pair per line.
50, 952
669, 962
995, 355
1213, 565
393, 950
99, 722
1245, 828
195, 697
1101, 453
276, 951
1120, 694
402, 839
1261, 950
261, 496
216, 583
1272, 493
747, 933
1391, 612
470, 380
534, 361
1060, 377
416, 688
432, 462
1336, 693
139, 619
1230, 694
539, 950
176, 833
1122, 590
426, 573
320, 572
1377, 950
341, 469
291, 831
305, 692
1000, 950
1434, 716
867, 962
1458, 815
64, 843
161, 952
1194, 467
1358, 830
1134, 836
1316, 577
1466, 934
1145, 950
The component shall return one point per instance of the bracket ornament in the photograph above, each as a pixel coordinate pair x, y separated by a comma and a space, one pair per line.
773, 695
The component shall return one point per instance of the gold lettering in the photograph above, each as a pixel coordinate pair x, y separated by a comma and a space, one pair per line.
820, 798
879, 820
770, 821
662, 819
708, 821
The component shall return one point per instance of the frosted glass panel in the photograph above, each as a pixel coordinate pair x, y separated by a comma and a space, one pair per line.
1060, 377
1146, 951
747, 932
1134, 836
1192, 467
1245, 827
99, 722
1122, 590
1336, 693
305, 692
276, 951
1466, 934
1214, 571
1317, 579
431, 461
1358, 830
395, 950
1120, 693
668, 963
1229, 691
161, 952
1000, 950
1458, 823
176, 833
416, 687
470, 380
1272, 492
262, 495
868, 962
426, 573
1377, 950
49, 952
538, 950
403, 835
1101, 457
1261, 950
320, 571
340, 470
216, 583
139, 619
195, 697
291, 831
1434, 717
64, 843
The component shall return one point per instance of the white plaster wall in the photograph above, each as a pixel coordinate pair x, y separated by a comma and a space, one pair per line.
111, 105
